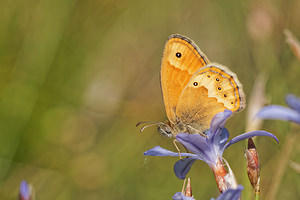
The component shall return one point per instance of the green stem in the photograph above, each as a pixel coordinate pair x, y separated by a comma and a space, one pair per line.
257, 196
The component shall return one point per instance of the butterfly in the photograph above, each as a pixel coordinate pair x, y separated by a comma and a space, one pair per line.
194, 89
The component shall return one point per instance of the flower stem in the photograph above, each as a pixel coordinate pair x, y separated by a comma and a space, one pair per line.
220, 172
257, 196
256, 192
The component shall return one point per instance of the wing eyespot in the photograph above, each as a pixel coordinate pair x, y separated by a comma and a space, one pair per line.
178, 55
195, 84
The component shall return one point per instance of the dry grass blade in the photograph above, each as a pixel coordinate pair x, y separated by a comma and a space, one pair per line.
282, 165
293, 42
295, 166
256, 102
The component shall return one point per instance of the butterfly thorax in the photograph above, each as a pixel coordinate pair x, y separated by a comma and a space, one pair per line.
170, 129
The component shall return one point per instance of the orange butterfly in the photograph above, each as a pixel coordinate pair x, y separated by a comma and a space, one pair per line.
194, 90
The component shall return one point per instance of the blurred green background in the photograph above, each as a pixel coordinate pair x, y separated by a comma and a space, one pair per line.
76, 76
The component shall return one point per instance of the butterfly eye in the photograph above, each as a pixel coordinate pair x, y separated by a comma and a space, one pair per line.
195, 83
178, 55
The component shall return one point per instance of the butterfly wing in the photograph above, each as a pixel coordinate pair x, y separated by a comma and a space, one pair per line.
210, 90
181, 59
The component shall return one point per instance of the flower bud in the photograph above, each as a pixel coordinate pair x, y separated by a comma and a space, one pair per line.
253, 165
188, 189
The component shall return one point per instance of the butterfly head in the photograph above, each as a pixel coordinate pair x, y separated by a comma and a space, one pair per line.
164, 128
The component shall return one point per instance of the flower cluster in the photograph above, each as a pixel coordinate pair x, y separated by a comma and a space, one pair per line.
230, 194
209, 149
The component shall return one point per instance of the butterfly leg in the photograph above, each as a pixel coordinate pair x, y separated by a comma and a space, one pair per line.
177, 148
174, 142
197, 131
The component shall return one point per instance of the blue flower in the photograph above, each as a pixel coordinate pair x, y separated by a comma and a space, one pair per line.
180, 196
291, 113
231, 194
209, 149
25, 191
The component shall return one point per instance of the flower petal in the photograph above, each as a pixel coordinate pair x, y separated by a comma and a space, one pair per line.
249, 135
279, 112
219, 140
180, 196
219, 120
159, 151
196, 144
224, 137
182, 167
231, 194
293, 102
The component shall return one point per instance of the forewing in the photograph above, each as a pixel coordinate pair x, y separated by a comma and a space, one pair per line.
181, 59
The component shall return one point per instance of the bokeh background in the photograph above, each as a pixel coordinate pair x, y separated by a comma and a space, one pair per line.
76, 76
